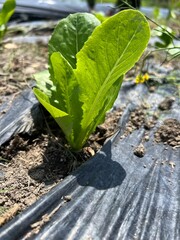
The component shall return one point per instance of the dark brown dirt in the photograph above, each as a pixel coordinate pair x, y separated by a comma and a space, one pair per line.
32, 165
18, 64
166, 104
169, 133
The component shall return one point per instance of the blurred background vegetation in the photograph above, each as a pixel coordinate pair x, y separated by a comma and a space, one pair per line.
157, 3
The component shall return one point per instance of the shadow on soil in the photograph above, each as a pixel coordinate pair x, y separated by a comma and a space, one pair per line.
101, 172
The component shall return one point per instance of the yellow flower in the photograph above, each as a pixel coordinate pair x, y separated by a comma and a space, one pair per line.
146, 77
141, 78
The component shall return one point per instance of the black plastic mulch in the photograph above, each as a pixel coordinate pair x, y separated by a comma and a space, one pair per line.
116, 194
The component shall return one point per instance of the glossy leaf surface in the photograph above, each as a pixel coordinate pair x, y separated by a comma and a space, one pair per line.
112, 50
70, 35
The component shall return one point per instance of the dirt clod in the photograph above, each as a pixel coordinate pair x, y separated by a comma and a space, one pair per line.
67, 198
136, 120
139, 151
149, 124
166, 104
169, 133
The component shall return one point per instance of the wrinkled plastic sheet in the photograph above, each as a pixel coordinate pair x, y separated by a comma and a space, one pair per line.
115, 195
21, 115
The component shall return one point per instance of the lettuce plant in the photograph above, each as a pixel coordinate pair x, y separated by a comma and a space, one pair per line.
87, 62
5, 14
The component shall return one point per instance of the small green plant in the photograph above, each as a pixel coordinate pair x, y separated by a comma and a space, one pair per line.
87, 62
5, 14
165, 36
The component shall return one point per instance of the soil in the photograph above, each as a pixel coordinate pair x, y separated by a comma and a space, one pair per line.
169, 133
166, 103
18, 64
32, 164
139, 151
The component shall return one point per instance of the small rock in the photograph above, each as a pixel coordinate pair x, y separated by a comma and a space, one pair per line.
172, 164
152, 89
67, 198
148, 125
139, 151
146, 138
166, 104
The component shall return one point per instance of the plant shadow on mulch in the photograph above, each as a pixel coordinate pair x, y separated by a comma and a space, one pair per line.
108, 174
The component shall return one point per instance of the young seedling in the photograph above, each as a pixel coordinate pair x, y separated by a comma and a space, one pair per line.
5, 14
87, 62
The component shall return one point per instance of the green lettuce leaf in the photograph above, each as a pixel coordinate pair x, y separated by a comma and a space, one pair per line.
70, 35
44, 83
113, 49
63, 103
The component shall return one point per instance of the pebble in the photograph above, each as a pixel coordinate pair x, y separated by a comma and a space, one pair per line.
146, 138
139, 151
67, 198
